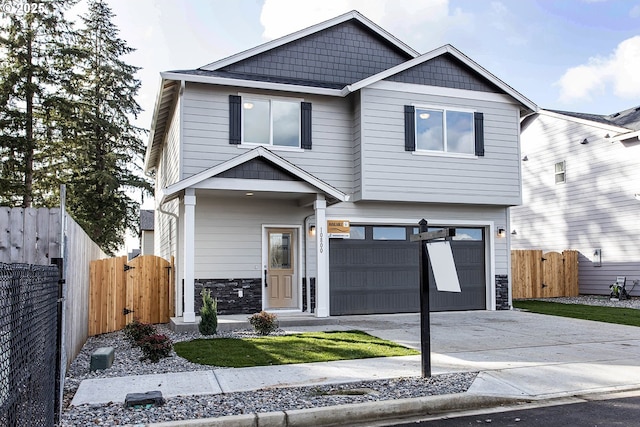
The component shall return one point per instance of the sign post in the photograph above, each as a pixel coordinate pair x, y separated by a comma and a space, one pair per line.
424, 237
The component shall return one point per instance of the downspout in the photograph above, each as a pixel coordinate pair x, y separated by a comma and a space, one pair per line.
306, 261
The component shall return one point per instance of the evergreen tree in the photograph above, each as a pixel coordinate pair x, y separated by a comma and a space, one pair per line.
109, 149
34, 58
208, 314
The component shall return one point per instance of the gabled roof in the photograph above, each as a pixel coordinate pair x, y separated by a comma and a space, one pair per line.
259, 152
586, 119
239, 70
308, 31
146, 220
458, 55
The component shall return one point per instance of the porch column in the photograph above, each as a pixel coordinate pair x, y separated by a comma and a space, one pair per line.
322, 261
189, 315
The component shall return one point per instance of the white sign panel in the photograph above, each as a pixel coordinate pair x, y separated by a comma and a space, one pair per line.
443, 266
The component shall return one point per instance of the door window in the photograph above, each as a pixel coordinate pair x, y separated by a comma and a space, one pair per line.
280, 250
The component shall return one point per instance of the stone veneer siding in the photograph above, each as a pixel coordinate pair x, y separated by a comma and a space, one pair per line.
312, 281
502, 292
226, 292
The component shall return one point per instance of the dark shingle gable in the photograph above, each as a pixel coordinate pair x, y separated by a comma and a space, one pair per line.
445, 71
339, 55
629, 118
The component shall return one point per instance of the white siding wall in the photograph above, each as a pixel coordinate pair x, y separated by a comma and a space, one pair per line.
357, 152
436, 215
594, 209
168, 172
206, 134
229, 233
391, 173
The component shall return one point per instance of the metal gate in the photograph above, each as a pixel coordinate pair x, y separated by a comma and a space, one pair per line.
120, 291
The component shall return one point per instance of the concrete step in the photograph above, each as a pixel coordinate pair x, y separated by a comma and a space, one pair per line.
241, 321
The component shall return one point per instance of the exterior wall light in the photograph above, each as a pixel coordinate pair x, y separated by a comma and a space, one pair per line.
312, 231
584, 141
502, 232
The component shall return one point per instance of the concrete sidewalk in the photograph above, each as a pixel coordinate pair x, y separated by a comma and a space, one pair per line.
519, 355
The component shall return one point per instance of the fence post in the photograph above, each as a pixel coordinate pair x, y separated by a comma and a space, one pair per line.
59, 351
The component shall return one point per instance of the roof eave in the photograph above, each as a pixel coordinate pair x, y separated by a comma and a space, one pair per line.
255, 84
164, 99
593, 123
174, 190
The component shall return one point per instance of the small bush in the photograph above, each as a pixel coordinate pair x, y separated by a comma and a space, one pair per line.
208, 314
155, 347
136, 331
264, 323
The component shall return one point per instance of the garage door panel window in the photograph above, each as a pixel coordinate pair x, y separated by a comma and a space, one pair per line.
357, 232
389, 233
472, 234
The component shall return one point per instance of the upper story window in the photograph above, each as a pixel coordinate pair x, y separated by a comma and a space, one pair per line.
279, 122
560, 172
443, 130
449, 131
272, 122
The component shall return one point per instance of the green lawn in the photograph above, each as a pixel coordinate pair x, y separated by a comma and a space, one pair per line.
621, 316
286, 349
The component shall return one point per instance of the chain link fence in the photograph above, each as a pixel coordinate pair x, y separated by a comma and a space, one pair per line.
28, 335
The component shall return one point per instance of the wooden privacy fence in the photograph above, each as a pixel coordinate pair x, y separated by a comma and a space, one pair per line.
538, 275
120, 291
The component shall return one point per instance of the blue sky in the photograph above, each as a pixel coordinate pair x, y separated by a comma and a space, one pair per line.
575, 55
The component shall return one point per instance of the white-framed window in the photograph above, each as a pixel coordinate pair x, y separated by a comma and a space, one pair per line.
560, 172
444, 130
271, 121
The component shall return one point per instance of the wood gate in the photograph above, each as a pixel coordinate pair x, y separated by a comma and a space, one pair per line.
120, 291
534, 275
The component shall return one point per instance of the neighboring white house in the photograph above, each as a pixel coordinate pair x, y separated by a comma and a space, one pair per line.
581, 191
290, 176
146, 231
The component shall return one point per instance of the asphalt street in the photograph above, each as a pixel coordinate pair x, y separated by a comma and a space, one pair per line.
593, 413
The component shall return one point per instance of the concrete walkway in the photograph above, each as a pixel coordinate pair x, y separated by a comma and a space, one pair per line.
519, 355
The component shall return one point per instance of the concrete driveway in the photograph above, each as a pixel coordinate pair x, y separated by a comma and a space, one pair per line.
518, 353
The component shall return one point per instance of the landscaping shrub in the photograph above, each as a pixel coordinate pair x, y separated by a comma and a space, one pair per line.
136, 331
208, 314
264, 323
155, 347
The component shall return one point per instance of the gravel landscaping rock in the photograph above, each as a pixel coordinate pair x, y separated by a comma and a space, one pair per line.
127, 362
601, 300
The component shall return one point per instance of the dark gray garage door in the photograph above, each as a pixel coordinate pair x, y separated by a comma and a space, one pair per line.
377, 271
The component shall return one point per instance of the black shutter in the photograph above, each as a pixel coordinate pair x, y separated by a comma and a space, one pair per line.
305, 125
478, 119
235, 119
409, 128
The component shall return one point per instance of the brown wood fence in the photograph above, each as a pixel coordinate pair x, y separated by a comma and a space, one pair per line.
538, 275
120, 291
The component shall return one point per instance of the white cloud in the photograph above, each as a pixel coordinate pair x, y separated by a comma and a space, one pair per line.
617, 72
422, 24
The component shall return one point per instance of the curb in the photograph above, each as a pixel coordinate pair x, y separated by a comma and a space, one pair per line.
350, 414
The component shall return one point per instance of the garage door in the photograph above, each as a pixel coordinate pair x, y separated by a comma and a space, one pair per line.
377, 271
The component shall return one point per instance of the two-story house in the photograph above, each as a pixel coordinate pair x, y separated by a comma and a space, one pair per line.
291, 175
581, 191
